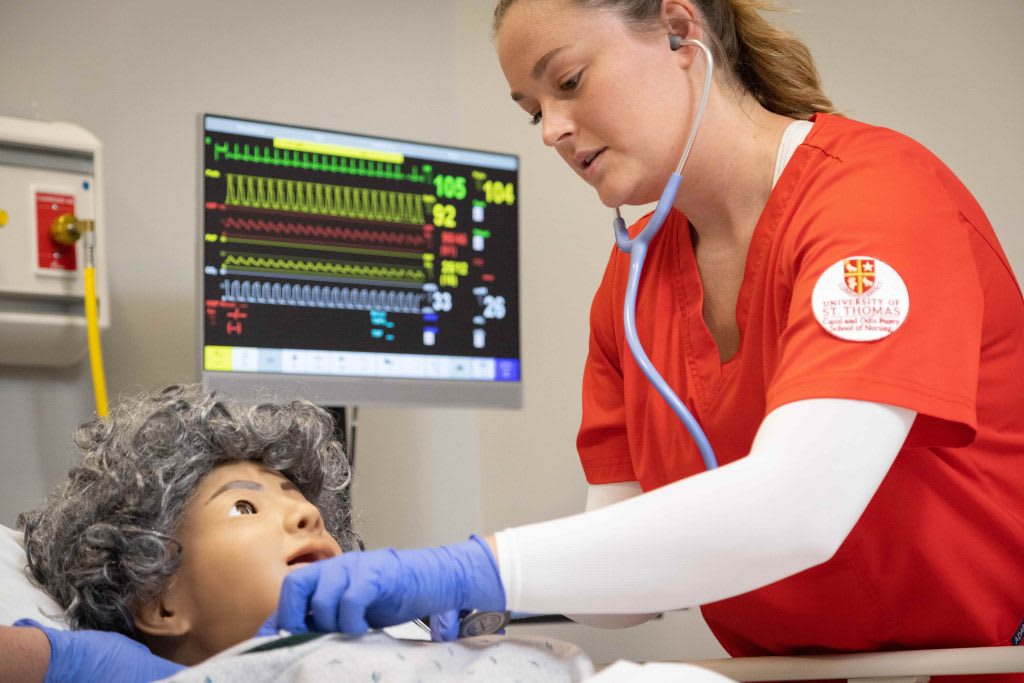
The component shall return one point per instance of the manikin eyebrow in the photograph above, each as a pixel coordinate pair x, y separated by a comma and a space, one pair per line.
237, 484
539, 67
251, 485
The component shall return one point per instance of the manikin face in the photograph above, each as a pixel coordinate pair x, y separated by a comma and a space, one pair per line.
245, 529
599, 87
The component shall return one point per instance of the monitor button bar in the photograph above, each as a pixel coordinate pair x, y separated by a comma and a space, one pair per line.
357, 364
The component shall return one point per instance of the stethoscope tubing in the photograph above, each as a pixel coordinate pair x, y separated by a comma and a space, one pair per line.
484, 623
637, 250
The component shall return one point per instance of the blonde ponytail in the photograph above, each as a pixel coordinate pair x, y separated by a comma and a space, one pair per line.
773, 65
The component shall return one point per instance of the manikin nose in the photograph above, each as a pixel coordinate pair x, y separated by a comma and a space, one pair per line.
304, 517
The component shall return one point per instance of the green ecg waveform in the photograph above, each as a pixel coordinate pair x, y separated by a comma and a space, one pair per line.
273, 156
321, 199
330, 268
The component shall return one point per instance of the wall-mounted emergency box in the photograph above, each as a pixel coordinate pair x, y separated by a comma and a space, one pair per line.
47, 171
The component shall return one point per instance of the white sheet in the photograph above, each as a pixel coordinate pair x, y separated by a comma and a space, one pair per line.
19, 597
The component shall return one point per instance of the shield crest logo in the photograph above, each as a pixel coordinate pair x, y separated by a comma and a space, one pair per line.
859, 274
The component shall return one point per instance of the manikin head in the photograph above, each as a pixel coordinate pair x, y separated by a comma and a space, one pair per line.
616, 102
184, 516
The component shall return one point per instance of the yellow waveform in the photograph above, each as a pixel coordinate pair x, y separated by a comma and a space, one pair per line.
321, 199
299, 267
338, 150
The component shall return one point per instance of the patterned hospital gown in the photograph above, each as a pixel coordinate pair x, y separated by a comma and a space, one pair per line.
380, 658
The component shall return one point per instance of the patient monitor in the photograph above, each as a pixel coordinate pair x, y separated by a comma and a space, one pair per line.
357, 269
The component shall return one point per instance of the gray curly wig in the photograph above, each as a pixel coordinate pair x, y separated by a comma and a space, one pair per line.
104, 543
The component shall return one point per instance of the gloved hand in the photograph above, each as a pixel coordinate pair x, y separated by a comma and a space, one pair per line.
355, 591
444, 626
100, 656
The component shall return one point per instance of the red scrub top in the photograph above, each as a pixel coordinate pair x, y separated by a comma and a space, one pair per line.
936, 559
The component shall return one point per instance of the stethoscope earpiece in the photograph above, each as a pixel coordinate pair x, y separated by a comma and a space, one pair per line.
675, 42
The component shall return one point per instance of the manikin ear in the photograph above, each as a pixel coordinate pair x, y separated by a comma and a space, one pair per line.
163, 618
683, 20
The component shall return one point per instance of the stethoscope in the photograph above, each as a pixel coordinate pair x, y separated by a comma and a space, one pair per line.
477, 623
637, 250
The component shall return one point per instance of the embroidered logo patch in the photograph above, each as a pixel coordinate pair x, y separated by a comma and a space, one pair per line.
860, 298
859, 274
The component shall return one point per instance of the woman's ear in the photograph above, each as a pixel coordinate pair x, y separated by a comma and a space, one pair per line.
683, 20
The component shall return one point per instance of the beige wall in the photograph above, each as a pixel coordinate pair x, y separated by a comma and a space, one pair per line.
137, 74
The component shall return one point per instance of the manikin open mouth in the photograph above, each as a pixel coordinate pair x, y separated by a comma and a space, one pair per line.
590, 158
309, 555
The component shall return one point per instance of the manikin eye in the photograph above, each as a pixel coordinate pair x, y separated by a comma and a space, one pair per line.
242, 507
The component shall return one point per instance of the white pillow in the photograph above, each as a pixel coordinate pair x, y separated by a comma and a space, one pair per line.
19, 597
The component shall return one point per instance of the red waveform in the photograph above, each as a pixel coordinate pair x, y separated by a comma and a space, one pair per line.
339, 233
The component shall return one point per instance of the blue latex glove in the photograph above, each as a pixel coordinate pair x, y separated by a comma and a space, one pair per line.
355, 591
444, 626
100, 656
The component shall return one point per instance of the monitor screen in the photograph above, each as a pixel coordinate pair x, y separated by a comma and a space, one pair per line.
349, 268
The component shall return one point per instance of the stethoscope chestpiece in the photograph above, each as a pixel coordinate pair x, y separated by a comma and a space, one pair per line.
482, 623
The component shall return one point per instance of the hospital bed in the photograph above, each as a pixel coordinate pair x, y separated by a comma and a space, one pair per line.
18, 597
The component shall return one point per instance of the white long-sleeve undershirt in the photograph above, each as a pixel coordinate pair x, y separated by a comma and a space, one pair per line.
812, 469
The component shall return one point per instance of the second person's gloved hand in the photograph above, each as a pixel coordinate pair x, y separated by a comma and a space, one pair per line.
356, 591
100, 656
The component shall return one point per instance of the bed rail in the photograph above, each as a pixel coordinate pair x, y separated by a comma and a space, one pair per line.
911, 666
